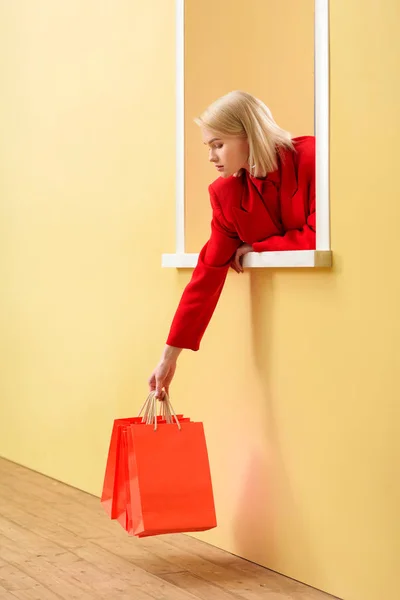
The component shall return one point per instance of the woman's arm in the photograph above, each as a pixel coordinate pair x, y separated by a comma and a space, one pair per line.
199, 298
202, 293
295, 239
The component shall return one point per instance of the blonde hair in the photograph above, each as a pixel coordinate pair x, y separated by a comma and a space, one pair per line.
241, 114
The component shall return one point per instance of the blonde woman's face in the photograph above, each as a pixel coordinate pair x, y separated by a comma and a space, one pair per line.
229, 154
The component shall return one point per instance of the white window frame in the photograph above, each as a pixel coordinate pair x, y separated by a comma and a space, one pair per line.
322, 255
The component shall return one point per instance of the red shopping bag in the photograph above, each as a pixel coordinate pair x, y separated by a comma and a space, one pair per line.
170, 486
124, 501
114, 494
112, 485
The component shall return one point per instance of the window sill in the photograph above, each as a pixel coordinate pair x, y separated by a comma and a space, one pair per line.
264, 260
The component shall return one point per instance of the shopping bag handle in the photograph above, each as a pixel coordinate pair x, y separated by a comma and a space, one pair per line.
150, 409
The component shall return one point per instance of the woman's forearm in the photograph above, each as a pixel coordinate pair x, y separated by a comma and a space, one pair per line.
171, 353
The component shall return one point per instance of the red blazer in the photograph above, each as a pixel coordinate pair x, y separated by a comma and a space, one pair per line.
275, 213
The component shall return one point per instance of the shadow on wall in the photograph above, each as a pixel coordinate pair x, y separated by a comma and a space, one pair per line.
255, 529
268, 509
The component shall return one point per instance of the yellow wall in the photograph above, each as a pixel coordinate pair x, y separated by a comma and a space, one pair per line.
296, 379
87, 196
267, 50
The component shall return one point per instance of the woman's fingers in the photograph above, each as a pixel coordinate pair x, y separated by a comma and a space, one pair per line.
239, 268
233, 266
240, 252
159, 387
161, 379
152, 383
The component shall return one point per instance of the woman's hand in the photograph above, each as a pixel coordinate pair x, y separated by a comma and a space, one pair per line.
161, 378
237, 263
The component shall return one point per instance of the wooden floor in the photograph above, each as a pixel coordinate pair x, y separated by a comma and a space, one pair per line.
57, 542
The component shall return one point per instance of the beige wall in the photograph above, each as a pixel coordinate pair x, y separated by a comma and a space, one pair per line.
87, 188
297, 377
266, 49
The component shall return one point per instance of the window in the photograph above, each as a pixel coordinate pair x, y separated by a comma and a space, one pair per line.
211, 39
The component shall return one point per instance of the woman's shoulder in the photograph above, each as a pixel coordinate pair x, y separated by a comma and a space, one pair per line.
304, 147
302, 157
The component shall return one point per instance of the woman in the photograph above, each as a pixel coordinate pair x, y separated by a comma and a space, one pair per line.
264, 200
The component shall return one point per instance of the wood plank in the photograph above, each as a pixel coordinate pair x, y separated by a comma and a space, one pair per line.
244, 570
47, 527
119, 543
226, 578
11, 578
80, 578
42, 482
77, 519
58, 543
132, 550
199, 587
123, 567
39, 592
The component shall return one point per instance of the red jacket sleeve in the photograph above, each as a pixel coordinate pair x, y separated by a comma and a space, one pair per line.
202, 293
296, 239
